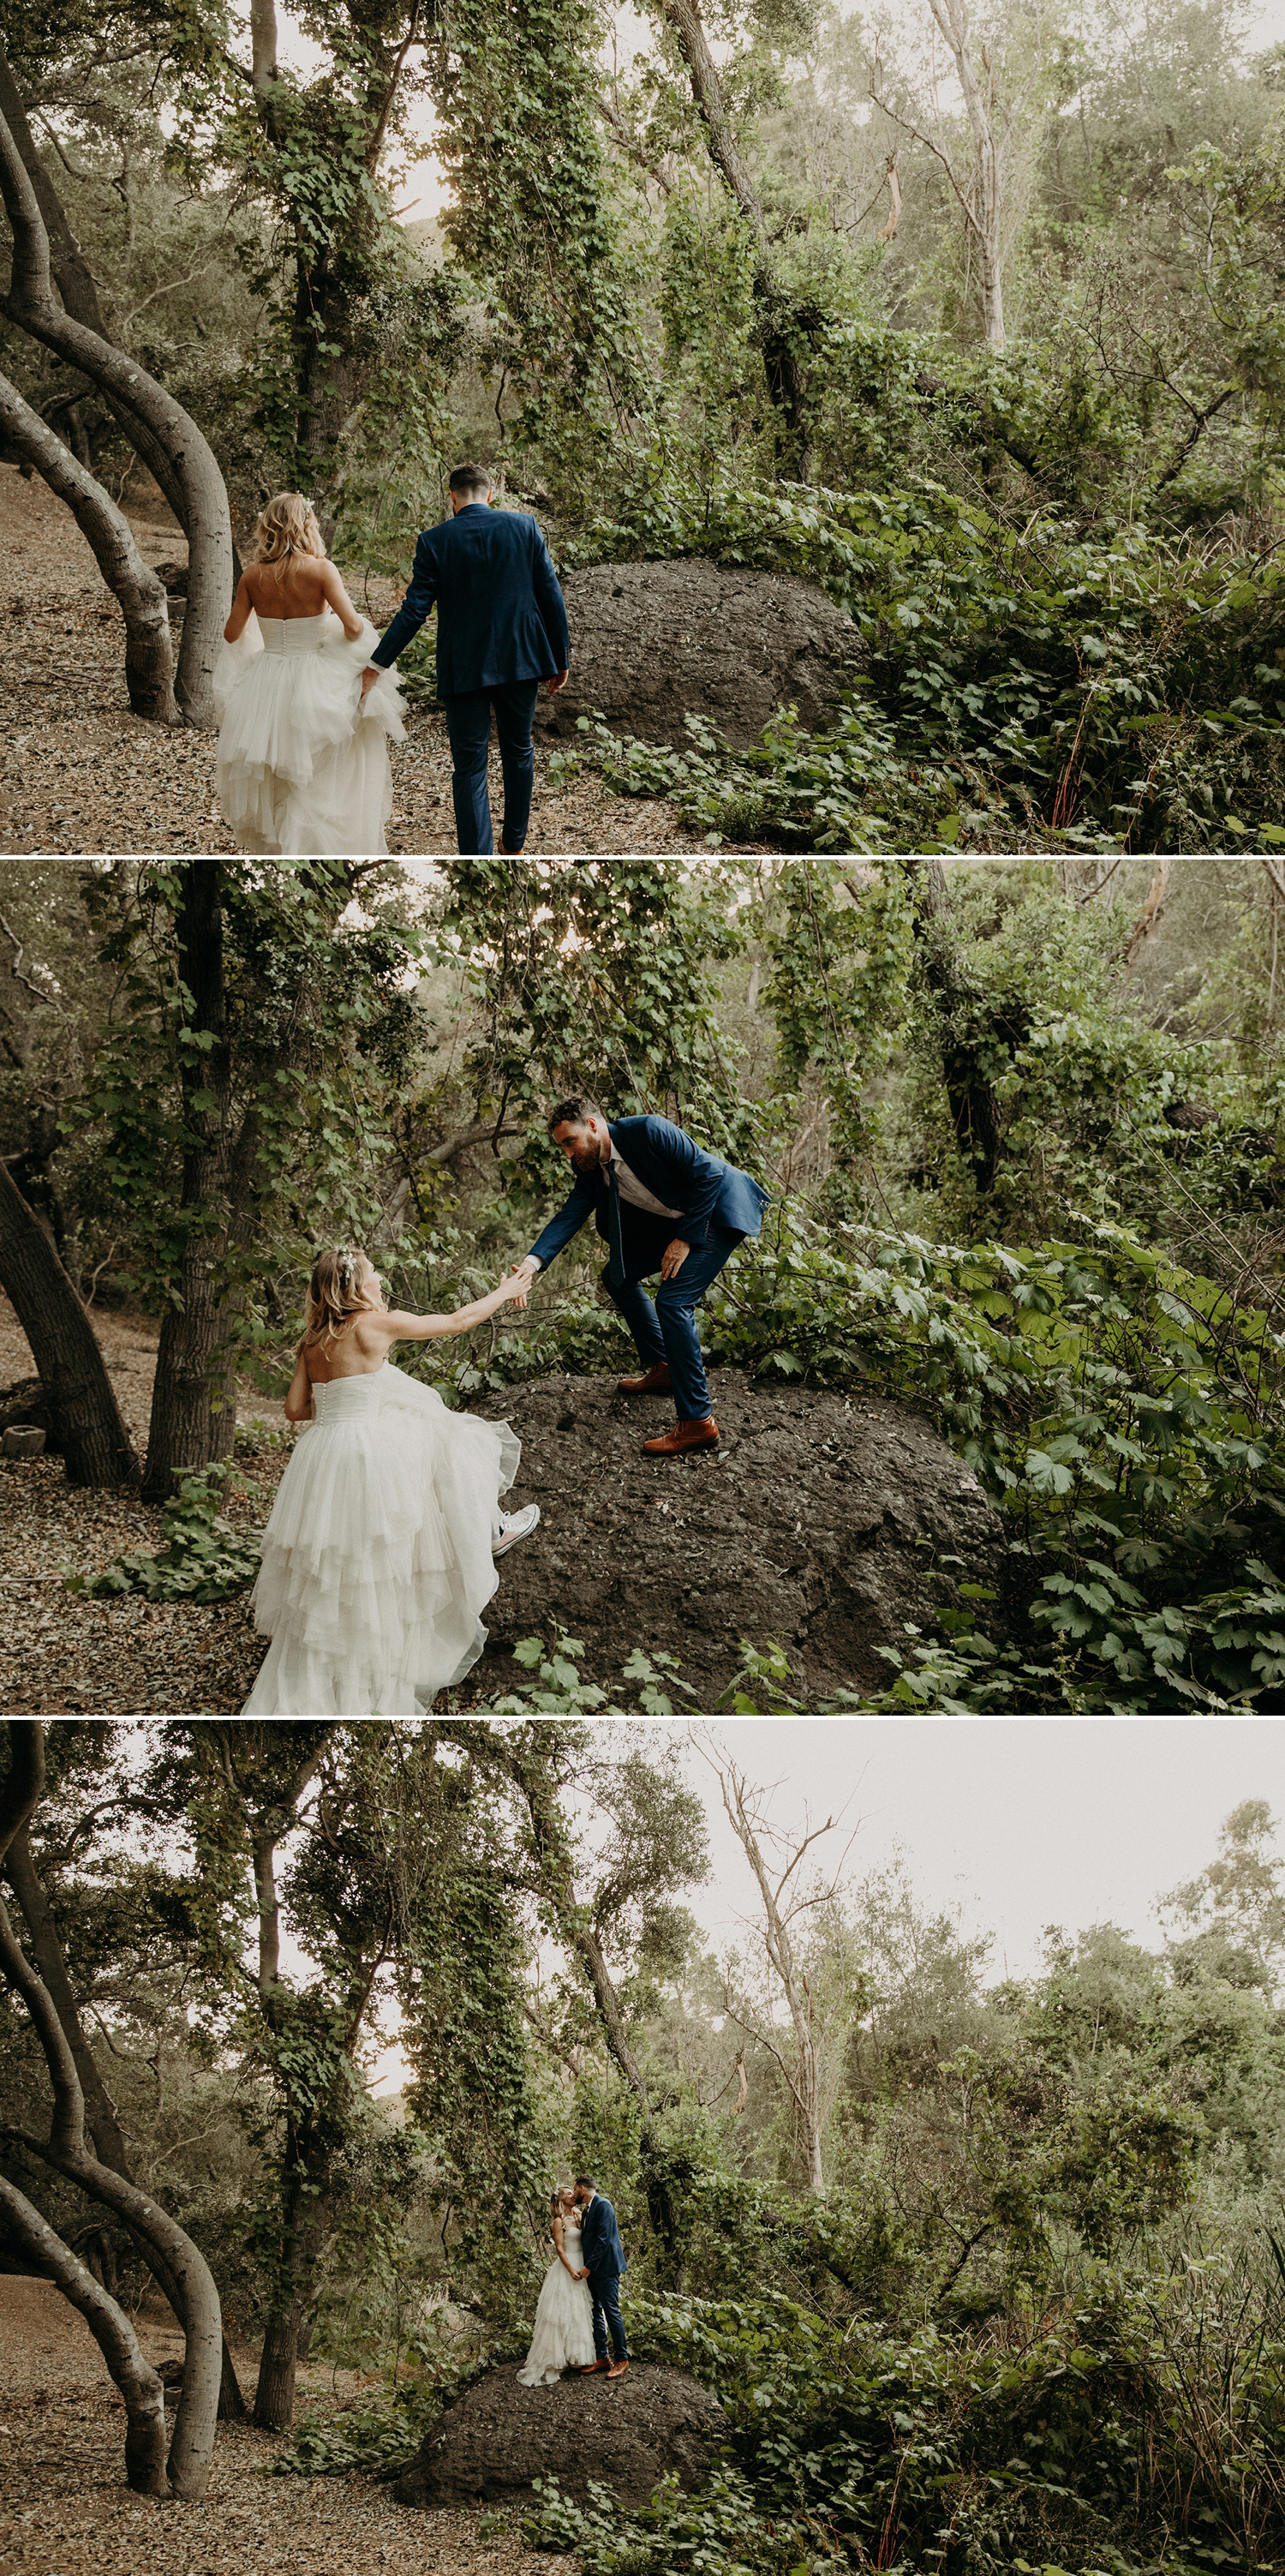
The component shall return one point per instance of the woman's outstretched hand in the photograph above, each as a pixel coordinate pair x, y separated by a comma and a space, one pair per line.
517, 1289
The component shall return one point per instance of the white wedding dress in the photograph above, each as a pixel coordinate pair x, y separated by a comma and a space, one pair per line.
563, 2335
377, 1553
303, 757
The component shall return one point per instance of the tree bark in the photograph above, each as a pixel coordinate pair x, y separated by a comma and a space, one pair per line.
185, 1431
112, 2332
780, 316
149, 659
100, 2110
32, 305
86, 1418
65, 2150
967, 1020
23, 1785
79, 293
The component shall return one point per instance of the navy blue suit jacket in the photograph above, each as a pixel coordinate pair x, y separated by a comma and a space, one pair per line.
600, 2238
500, 613
705, 1190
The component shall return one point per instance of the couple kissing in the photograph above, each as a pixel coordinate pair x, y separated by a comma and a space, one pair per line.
580, 2296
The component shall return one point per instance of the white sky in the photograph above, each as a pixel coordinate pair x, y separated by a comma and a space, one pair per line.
1013, 1823
425, 194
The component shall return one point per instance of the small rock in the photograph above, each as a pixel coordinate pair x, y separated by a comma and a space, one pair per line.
22, 1440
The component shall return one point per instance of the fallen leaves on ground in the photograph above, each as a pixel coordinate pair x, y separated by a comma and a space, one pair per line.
83, 774
65, 2509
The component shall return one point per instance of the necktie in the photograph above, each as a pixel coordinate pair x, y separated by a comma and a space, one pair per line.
615, 1236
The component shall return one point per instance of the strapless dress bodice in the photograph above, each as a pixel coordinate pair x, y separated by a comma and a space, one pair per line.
298, 634
343, 1399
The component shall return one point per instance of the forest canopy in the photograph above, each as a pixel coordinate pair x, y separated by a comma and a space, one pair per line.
972, 319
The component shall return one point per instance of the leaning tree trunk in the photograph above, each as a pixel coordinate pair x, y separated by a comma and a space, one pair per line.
80, 295
31, 303
86, 1418
149, 658
113, 2333
186, 1430
100, 2110
777, 310
65, 2149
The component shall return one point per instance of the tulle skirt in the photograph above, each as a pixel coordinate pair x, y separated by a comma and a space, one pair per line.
562, 2338
377, 1554
303, 758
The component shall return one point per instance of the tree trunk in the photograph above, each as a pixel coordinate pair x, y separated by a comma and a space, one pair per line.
112, 2332
992, 294
32, 305
779, 315
82, 1404
193, 2440
185, 1431
309, 2225
80, 295
65, 2150
149, 659
968, 1024
100, 2110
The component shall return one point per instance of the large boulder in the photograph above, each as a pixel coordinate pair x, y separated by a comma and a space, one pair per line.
815, 1523
623, 2433
654, 642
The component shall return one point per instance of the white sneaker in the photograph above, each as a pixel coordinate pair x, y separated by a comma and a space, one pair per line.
513, 1526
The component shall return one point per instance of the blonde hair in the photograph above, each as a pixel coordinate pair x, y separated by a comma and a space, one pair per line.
287, 527
338, 1291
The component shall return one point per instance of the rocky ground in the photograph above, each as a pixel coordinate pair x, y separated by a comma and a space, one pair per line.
814, 1524
65, 2509
82, 773
624, 2433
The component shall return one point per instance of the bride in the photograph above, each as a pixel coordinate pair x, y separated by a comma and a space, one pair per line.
379, 1551
563, 2334
304, 728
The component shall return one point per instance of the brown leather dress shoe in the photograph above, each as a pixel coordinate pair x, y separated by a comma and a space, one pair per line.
590, 2367
656, 1382
685, 1435
618, 2369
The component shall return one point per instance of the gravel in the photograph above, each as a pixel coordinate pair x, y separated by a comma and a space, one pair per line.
83, 774
65, 2509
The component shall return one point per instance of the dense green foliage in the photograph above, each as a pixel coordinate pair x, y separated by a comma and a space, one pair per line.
686, 326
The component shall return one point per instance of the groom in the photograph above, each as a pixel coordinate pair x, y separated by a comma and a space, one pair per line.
661, 1203
604, 2261
501, 629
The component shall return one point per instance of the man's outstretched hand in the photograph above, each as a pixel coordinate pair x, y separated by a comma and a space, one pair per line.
675, 1254
559, 681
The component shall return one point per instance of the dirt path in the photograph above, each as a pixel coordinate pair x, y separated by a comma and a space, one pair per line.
82, 773
62, 1653
65, 2509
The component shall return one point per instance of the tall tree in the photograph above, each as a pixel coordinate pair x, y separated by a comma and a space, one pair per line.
66, 2152
810, 2059
193, 470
